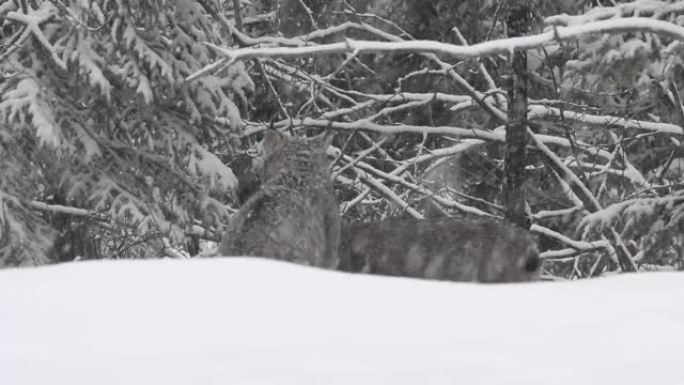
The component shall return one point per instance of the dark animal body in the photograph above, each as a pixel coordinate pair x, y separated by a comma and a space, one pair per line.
441, 248
293, 216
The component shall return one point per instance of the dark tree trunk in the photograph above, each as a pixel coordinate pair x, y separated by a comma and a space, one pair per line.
518, 23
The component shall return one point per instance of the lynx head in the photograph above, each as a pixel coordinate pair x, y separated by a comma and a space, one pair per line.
515, 257
296, 155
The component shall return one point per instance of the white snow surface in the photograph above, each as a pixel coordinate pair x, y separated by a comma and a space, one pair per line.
257, 321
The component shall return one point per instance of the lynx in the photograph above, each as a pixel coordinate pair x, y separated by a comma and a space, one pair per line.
293, 216
442, 248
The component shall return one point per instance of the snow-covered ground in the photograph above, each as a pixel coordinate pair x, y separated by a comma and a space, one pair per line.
252, 321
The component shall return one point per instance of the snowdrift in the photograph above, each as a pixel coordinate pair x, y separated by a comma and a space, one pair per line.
255, 321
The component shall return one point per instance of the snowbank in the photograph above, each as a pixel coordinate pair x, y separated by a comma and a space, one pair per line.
253, 321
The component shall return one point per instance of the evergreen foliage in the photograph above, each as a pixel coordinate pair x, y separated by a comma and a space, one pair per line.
97, 116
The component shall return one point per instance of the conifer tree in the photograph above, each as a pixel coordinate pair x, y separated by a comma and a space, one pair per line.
103, 145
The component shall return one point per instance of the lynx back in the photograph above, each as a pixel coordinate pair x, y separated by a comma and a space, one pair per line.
443, 248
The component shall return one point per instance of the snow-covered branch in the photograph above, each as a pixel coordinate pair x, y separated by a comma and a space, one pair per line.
607, 216
33, 21
68, 210
493, 47
419, 189
540, 111
657, 9
581, 246
544, 214
496, 135
387, 192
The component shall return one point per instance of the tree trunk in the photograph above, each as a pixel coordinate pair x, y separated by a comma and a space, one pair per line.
518, 23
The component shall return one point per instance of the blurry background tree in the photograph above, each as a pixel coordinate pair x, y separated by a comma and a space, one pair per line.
109, 150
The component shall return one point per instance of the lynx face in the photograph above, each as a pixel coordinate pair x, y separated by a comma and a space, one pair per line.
306, 156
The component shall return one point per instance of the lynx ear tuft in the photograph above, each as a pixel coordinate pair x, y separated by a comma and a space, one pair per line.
323, 140
328, 138
273, 141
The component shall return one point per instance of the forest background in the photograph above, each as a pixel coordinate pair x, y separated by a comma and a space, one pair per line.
130, 129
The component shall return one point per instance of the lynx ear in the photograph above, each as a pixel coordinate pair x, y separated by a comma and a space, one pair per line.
273, 141
324, 140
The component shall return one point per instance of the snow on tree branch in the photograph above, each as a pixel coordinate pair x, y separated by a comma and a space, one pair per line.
579, 246
503, 46
630, 210
658, 9
539, 111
